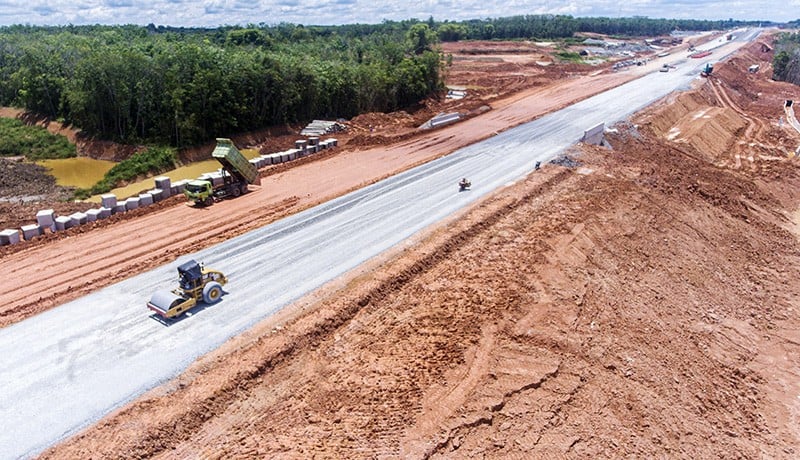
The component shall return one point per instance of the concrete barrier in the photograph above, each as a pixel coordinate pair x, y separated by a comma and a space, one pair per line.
314, 140
104, 213
92, 215
157, 194
277, 158
292, 155
145, 199
164, 184
300, 144
9, 236
30, 232
594, 135
284, 157
132, 203
63, 223
109, 200
45, 218
333, 142
78, 218
120, 208
178, 187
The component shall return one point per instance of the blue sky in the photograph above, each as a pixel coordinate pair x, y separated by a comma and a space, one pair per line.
322, 12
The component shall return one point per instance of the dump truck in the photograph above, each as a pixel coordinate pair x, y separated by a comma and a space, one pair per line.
196, 283
236, 174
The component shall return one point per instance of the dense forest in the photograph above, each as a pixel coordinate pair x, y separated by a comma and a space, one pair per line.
182, 86
132, 84
786, 62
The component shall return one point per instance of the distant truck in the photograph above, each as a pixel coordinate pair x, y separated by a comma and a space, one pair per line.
237, 173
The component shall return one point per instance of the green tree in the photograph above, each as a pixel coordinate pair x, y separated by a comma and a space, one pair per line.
421, 38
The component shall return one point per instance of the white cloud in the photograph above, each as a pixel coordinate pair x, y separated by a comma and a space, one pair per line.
219, 12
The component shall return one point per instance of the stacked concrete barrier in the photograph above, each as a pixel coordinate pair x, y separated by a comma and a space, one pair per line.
108, 200
164, 184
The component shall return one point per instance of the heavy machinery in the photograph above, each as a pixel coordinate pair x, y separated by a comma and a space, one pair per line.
196, 284
707, 70
236, 174
464, 184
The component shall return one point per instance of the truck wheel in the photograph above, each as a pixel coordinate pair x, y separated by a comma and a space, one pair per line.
212, 292
208, 201
244, 189
236, 192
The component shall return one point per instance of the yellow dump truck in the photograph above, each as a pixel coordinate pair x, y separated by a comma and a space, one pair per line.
237, 173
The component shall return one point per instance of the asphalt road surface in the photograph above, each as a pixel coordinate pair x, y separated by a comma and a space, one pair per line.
64, 369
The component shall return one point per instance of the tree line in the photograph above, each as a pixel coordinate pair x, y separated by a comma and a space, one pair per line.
183, 86
139, 84
562, 26
786, 60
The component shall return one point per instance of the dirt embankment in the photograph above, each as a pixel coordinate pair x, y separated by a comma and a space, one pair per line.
644, 304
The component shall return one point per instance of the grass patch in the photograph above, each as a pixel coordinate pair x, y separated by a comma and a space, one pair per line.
569, 56
34, 142
154, 160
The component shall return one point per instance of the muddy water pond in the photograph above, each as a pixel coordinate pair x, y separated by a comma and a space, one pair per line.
77, 172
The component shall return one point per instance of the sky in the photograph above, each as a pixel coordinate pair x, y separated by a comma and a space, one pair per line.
212, 13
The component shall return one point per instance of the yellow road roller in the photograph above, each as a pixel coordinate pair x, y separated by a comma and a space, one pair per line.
196, 284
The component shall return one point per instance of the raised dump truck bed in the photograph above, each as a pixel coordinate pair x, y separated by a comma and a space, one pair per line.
234, 162
237, 174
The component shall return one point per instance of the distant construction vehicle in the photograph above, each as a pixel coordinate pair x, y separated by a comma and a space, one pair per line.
196, 284
707, 70
236, 174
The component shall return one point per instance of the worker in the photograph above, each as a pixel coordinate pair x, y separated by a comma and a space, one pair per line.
538, 163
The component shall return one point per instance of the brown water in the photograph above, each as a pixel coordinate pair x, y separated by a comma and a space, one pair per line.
77, 172
190, 171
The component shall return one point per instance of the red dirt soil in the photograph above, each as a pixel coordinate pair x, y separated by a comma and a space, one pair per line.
644, 304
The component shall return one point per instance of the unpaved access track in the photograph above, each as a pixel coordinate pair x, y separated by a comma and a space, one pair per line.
642, 304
